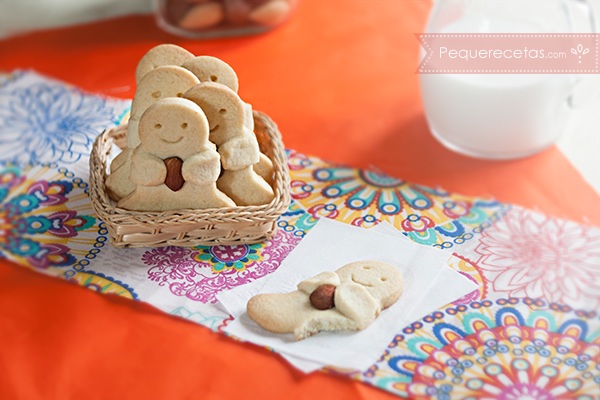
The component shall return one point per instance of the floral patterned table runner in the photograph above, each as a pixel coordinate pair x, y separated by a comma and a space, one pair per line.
532, 328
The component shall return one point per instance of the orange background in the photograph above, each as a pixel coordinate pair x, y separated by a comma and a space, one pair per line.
339, 80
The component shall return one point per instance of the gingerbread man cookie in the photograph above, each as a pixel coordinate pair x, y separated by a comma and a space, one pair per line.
163, 54
212, 69
236, 144
347, 299
161, 82
158, 83
174, 128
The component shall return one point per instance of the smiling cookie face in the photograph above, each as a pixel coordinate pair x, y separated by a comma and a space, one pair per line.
223, 108
159, 83
162, 82
174, 127
381, 280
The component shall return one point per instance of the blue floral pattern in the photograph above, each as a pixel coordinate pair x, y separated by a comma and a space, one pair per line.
43, 121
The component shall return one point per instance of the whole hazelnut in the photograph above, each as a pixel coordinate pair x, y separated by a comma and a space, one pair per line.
174, 179
322, 297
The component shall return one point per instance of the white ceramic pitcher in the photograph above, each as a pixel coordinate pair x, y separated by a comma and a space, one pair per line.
500, 116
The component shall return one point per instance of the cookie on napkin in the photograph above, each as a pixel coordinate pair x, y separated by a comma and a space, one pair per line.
347, 299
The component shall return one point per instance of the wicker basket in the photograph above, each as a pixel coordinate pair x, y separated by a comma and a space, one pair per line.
230, 225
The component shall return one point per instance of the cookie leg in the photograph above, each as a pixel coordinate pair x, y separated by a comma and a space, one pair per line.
322, 321
293, 313
143, 198
245, 187
192, 195
161, 198
264, 167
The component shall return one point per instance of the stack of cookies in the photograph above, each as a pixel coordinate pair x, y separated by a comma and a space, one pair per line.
190, 139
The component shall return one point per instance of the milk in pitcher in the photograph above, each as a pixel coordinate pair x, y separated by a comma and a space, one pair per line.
496, 116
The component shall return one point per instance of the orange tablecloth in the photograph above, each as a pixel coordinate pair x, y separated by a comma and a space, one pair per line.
339, 80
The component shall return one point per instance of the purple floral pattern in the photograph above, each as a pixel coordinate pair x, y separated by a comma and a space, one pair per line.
200, 274
45, 219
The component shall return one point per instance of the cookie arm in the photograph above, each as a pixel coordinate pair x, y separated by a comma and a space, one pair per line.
147, 169
120, 159
356, 303
202, 168
239, 152
324, 278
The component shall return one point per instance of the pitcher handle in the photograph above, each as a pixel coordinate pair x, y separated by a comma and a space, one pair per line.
590, 14
579, 100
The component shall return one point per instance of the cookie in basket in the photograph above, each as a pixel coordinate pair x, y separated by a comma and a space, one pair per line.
159, 83
158, 56
212, 69
347, 299
237, 145
174, 128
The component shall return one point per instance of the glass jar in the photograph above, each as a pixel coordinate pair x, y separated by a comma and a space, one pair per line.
217, 18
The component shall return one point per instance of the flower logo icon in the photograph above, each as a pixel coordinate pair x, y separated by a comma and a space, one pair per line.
579, 51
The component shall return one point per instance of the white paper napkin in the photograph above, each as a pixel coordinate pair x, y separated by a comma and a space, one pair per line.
429, 284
